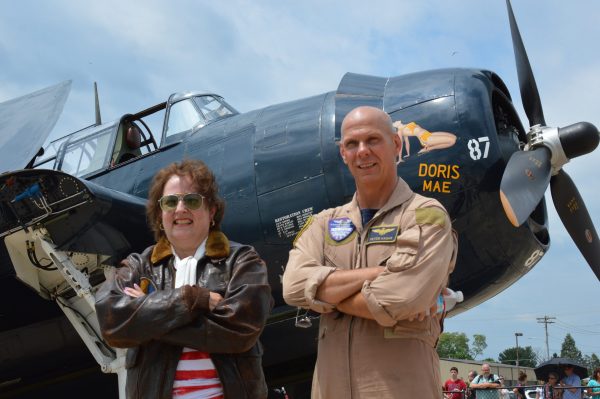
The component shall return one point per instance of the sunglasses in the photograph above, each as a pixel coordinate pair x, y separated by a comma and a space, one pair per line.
191, 201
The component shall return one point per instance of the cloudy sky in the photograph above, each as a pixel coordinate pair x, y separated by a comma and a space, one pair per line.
257, 53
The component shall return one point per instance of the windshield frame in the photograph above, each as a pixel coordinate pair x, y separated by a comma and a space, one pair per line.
205, 116
99, 159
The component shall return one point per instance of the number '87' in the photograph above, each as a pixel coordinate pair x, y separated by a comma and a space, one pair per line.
475, 149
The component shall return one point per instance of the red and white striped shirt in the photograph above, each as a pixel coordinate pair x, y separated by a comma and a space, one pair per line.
196, 376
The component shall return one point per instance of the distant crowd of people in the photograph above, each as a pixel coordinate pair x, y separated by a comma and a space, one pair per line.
491, 386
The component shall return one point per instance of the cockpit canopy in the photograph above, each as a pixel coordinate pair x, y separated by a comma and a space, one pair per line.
96, 148
191, 111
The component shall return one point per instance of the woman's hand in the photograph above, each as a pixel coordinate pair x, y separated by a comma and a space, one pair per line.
214, 300
135, 292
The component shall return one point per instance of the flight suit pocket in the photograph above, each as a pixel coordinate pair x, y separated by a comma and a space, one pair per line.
407, 251
328, 324
379, 254
341, 257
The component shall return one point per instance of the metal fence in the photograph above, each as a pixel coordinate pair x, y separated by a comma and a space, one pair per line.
507, 392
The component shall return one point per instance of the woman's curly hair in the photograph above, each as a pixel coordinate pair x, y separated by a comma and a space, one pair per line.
204, 180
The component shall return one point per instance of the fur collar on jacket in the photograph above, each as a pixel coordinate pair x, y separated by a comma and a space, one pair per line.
217, 246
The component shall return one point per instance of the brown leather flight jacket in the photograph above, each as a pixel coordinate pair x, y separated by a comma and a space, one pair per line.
158, 325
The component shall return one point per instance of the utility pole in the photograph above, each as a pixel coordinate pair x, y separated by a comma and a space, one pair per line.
546, 320
517, 335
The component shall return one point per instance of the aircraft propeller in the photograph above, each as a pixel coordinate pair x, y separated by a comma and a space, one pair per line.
529, 171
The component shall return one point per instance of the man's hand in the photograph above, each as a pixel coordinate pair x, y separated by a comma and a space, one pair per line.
421, 315
433, 311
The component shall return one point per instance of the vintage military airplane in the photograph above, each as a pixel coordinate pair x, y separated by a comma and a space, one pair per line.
78, 205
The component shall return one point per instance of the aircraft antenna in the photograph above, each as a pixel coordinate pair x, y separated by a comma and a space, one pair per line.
97, 105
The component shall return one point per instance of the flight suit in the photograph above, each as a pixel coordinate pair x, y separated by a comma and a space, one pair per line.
389, 357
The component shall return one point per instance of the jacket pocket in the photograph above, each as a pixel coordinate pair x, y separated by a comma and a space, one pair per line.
249, 367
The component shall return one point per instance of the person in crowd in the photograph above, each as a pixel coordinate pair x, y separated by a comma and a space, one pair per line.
454, 387
373, 268
550, 389
486, 384
191, 307
519, 391
470, 377
504, 393
594, 384
569, 382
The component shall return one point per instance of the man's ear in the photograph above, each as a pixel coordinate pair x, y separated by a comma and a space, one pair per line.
398, 144
342, 153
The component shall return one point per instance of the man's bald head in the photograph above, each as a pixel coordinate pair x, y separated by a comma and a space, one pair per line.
369, 147
367, 115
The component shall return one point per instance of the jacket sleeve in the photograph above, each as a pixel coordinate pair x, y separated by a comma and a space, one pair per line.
235, 324
305, 270
417, 271
126, 321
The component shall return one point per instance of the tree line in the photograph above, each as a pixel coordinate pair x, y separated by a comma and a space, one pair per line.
455, 345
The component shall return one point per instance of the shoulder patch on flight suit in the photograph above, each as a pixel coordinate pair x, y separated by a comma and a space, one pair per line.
380, 234
340, 231
430, 216
303, 229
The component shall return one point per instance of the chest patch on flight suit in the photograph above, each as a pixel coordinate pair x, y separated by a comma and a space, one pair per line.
339, 231
379, 234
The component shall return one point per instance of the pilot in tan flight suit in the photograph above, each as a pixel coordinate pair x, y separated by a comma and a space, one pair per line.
373, 268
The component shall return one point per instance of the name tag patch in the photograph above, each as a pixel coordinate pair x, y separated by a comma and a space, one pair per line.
380, 234
340, 229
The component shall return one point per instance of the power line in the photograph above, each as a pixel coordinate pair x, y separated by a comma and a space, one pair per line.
577, 329
546, 321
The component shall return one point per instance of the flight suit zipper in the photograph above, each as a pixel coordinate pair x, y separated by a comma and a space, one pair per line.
357, 264
351, 323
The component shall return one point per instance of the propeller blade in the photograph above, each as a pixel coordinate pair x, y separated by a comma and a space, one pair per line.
578, 139
524, 182
576, 219
529, 92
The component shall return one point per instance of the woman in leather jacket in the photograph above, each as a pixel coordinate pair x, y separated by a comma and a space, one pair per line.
191, 307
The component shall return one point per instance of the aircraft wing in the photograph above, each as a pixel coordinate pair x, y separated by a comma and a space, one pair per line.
26, 123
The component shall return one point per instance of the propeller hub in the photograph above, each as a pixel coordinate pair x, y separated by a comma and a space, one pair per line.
548, 137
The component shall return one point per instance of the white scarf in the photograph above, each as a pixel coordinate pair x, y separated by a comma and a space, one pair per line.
186, 267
